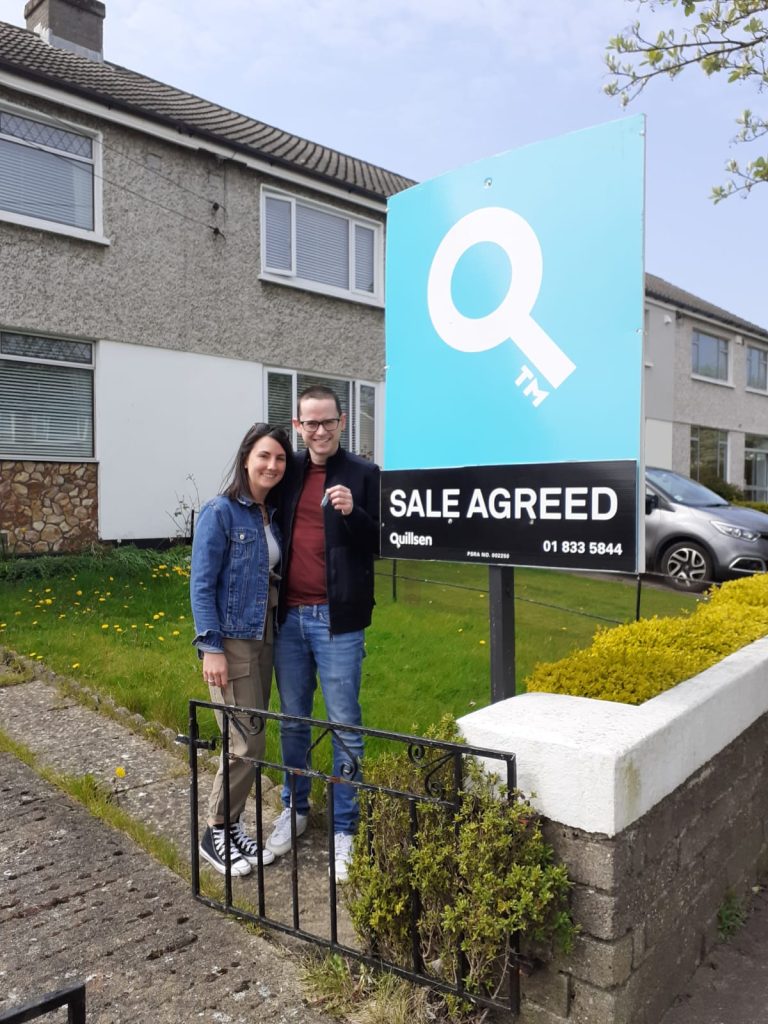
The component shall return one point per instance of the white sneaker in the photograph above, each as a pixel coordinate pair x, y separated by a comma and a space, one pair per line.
342, 844
280, 841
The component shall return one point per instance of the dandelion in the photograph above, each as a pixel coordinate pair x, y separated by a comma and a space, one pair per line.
102, 600
182, 617
32, 654
34, 622
79, 593
105, 625
162, 567
3, 625
162, 638
39, 657
155, 616
75, 664
62, 616
120, 772
134, 626
47, 590
482, 643
176, 632
111, 579
461, 630
48, 600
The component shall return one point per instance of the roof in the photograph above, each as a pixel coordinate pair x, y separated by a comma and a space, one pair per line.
23, 53
656, 288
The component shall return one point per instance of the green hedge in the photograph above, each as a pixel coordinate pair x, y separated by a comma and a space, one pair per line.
632, 663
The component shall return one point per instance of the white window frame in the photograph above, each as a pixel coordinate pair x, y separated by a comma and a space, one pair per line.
40, 223
279, 275
696, 375
6, 454
752, 387
353, 425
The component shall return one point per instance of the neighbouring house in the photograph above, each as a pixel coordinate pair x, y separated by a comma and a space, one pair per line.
172, 271
706, 390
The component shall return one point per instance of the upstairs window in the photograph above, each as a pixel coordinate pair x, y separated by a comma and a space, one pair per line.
46, 398
320, 248
709, 356
47, 174
757, 368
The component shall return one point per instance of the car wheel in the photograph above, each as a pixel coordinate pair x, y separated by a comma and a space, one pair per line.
687, 566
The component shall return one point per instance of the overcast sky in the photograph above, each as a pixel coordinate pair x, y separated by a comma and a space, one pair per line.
423, 86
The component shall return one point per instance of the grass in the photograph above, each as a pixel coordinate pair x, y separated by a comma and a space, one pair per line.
120, 622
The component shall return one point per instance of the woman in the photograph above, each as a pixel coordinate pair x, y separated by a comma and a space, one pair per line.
235, 561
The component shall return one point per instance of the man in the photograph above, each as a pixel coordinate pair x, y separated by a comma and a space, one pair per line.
330, 526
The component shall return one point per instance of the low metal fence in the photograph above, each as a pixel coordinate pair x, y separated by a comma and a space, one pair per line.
73, 998
440, 767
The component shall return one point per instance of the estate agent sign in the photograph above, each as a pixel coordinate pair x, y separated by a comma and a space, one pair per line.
514, 348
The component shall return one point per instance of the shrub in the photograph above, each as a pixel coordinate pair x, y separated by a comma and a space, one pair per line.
481, 874
634, 662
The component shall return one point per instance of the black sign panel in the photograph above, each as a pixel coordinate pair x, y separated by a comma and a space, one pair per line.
572, 515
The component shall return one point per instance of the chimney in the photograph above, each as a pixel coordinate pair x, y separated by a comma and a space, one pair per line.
75, 25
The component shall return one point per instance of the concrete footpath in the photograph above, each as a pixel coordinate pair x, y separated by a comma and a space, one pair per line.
80, 901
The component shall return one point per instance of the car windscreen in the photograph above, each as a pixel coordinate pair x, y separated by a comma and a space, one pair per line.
684, 491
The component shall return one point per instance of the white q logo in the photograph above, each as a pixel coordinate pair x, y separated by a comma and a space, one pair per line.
512, 318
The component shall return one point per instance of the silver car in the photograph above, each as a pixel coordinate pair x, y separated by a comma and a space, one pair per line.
695, 537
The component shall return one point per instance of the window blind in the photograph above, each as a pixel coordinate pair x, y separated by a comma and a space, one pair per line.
45, 411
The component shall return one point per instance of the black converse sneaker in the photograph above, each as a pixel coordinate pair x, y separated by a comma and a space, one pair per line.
213, 847
248, 847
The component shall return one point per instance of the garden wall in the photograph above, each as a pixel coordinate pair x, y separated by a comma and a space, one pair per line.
48, 506
658, 811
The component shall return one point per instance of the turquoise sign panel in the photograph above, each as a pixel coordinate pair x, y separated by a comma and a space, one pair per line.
514, 307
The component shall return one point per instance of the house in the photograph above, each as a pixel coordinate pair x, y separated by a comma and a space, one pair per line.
706, 390
170, 272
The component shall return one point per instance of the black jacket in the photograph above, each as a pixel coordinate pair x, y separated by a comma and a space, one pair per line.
351, 542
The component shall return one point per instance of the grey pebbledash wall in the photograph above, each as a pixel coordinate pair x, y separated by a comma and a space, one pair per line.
646, 900
166, 280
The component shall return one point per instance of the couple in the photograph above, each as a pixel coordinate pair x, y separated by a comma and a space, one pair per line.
311, 519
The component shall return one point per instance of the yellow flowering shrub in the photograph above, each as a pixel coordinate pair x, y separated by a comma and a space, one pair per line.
634, 662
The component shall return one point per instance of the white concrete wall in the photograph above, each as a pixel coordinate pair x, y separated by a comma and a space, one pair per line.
599, 766
160, 416
658, 443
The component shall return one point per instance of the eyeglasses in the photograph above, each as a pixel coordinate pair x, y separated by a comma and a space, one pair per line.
312, 426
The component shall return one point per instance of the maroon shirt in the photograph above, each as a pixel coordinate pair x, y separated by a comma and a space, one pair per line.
305, 578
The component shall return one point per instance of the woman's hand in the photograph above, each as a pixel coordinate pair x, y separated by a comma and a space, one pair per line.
215, 669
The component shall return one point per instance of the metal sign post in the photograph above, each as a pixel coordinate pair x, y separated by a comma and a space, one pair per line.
501, 596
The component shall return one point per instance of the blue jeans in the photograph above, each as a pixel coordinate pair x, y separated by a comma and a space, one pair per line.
304, 650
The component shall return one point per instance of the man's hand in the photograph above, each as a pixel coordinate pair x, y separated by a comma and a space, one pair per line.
341, 498
215, 669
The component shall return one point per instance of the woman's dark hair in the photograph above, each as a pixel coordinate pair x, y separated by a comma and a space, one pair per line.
238, 483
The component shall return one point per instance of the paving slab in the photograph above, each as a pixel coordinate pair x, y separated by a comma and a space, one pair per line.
79, 900
71, 738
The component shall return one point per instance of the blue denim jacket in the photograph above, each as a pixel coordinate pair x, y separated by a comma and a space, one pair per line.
229, 584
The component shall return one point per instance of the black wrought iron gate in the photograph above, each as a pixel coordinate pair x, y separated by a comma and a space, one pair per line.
441, 767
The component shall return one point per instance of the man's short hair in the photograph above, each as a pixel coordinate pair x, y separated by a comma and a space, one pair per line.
318, 391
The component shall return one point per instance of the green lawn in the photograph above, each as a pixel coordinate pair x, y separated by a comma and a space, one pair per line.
121, 623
